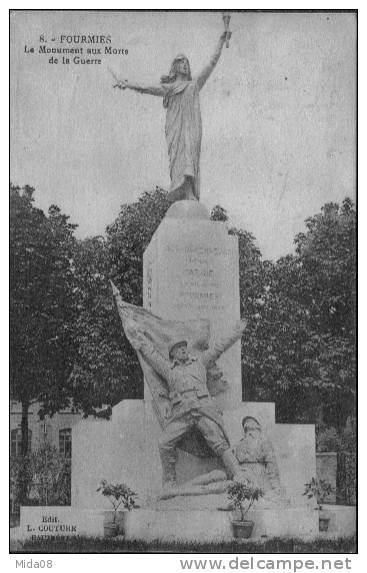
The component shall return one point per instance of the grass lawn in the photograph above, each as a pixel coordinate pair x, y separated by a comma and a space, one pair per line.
119, 545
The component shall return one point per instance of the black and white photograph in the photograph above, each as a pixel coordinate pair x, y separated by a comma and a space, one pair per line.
182, 250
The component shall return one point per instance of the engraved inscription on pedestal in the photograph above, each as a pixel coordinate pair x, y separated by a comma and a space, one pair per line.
200, 279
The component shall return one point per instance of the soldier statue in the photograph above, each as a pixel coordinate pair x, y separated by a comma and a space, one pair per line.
192, 405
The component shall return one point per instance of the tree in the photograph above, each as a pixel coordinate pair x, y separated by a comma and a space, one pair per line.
106, 368
48, 479
250, 263
42, 307
300, 348
128, 237
327, 253
279, 354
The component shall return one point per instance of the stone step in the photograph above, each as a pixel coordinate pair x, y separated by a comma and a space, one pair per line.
206, 525
183, 525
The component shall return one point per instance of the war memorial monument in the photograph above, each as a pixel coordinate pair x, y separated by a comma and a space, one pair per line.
194, 432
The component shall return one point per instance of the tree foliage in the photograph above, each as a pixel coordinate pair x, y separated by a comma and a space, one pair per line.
106, 368
42, 309
243, 495
48, 477
300, 351
118, 494
128, 237
41, 301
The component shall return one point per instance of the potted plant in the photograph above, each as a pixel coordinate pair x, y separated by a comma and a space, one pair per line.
242, 496
319, 490
117, 494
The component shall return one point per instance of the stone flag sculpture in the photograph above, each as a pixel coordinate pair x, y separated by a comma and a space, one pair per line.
162, 332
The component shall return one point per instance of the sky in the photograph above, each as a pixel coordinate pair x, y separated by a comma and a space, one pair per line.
278, 115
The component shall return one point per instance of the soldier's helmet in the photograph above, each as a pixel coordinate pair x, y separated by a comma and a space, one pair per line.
251, 421
175, 344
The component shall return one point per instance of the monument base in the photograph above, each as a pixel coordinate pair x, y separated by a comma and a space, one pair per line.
42, 523
215, 526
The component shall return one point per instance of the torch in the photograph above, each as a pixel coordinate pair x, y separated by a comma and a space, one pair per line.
226, 19
117, 85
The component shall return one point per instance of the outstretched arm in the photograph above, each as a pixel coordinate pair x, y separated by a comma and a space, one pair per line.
144, 89
213, 353
205, 73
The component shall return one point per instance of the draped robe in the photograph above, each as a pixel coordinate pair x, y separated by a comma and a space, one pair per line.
183, 134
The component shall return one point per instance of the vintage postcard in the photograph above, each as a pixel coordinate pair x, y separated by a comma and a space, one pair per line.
183, 281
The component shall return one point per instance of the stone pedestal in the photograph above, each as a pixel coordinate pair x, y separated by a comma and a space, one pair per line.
205, 525
191, 272
182, 525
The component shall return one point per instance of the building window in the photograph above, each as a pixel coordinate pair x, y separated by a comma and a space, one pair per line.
65, 442
16, 442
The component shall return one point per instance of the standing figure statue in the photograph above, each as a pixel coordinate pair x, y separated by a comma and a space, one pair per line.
192, 405
180, 93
